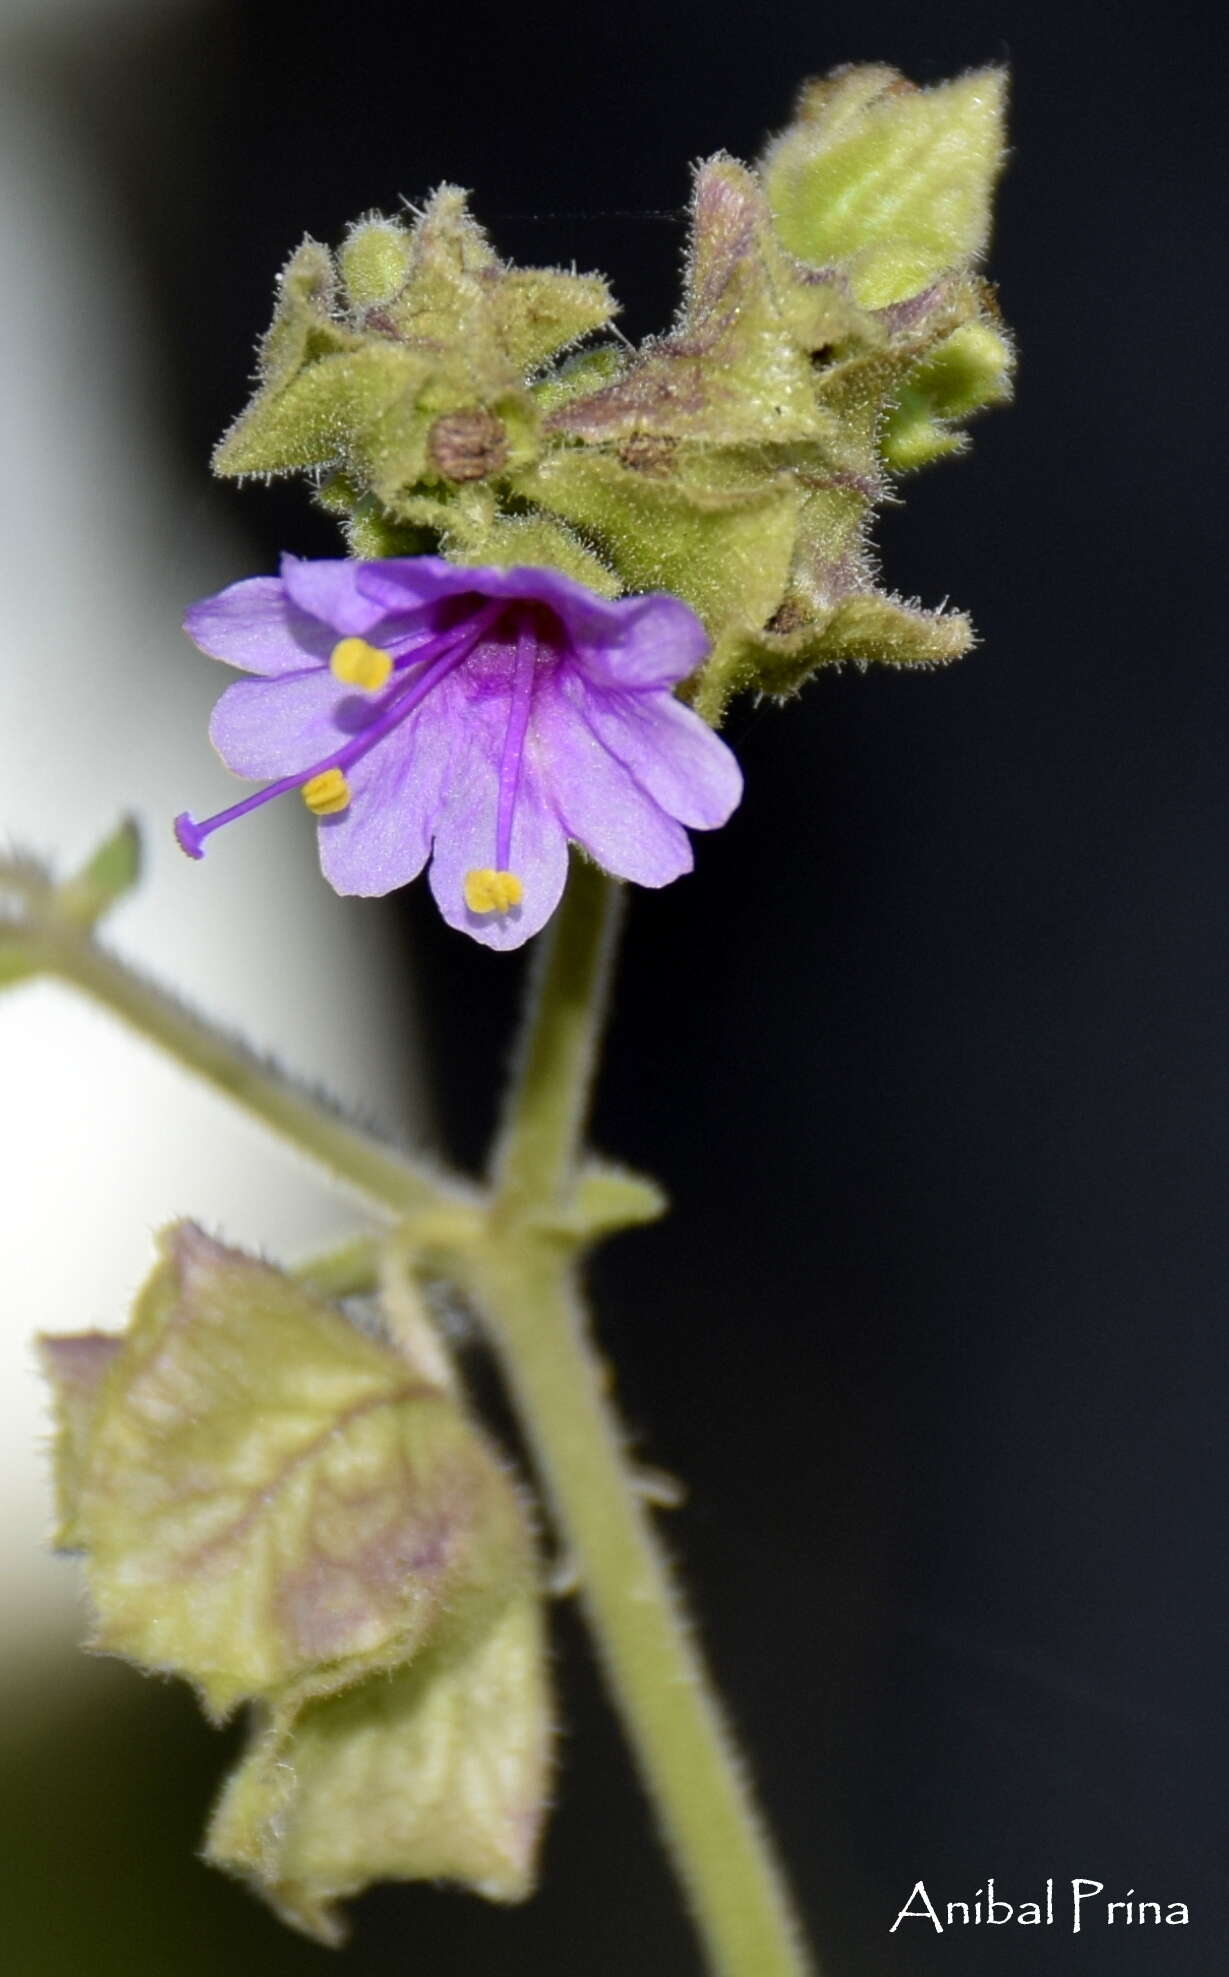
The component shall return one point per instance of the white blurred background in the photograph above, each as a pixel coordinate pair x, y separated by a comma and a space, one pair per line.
103, 705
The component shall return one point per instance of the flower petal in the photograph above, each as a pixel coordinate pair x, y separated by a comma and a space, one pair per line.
655, 641
329, 588
401, 582
598, 801
396, 797
277, 727
670, 751
629, 641
465, 841
609, 757
414, 583
256, 626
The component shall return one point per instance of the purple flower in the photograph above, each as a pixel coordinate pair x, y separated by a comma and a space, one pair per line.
479, 718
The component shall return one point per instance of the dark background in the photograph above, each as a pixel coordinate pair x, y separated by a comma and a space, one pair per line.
930, 1052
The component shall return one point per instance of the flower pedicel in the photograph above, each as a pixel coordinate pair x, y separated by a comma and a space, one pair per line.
481, 718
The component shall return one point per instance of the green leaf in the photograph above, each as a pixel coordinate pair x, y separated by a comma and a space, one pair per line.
606, 1199
738, 367
371, 532
578, 376
967, 372
424, 378
539, 312
725, 551
864, 629
449, 256
114, 870
509, 540
75, 1366
460, 300
304, 325
890, 182
265, 1493
285, 1509
438, 1771
609, 1198
320, 416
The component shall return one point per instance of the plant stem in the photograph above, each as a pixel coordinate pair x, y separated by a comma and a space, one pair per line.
535, 1157
520, 1273
352, 1269
386, 1177
524, 1284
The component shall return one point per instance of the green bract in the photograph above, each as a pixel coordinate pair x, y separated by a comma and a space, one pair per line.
832, 331
435, 1770
890, 182
112, 871
290, 1513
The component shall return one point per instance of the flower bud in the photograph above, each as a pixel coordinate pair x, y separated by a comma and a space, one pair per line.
890, 182
374, 261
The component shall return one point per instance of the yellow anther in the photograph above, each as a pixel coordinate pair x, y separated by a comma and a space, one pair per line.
355, 663
492, 892
326, 793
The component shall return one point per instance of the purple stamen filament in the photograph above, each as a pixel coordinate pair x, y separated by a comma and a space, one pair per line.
449, 650
514, 739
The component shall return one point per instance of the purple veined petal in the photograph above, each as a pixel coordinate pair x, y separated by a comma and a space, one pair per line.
277, 727
409, 582
254, 625
632, 641
656, 641
599, 750
413, 583
671, 752
328, 588
465, 842
655, 638
397, 795
597, 800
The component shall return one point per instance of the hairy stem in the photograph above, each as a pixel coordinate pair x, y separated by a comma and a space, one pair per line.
352, 1269
525, 1287
520, 1274
535, 1157
383, 1175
